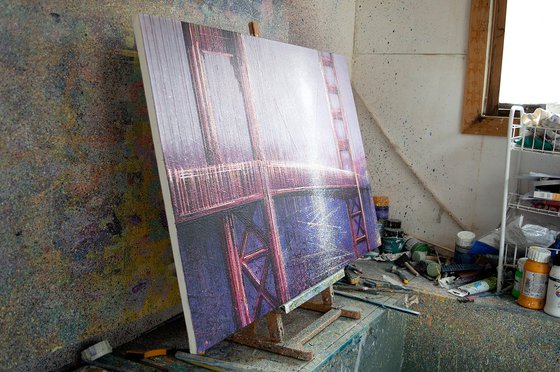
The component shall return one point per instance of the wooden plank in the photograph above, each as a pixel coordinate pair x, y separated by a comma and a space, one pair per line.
166, 363
346, 312
312, 292
473, 120
314, 328
211, 363
273, 347
116, 363
254, 29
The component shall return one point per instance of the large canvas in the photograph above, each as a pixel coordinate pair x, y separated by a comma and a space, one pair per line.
262, 169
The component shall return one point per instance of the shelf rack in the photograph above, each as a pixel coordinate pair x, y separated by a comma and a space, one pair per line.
523, 138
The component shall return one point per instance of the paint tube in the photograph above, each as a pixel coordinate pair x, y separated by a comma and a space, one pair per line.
480, 286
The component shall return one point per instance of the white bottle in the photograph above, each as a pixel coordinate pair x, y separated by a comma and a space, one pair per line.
552, 306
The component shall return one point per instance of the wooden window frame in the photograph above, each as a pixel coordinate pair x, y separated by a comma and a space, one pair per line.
483, 72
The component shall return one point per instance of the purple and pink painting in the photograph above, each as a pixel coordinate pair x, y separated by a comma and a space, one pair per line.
262, 169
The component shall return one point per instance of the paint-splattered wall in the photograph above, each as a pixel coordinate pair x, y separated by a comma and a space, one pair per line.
85, 250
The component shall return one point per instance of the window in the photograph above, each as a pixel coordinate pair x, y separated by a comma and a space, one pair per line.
492, 86
481, 94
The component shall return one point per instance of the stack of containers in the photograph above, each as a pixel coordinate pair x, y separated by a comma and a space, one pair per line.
393, 236
463, 244
381, 211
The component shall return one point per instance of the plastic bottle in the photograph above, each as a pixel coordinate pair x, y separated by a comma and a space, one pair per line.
552, 306
463, 244
518, 279
533, 288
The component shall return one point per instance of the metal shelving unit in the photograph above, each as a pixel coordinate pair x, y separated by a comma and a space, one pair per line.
521, 138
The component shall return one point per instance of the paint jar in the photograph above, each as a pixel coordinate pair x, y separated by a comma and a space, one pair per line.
381, 207
418, 256
393, 237
418, 249
533, 288
433, 269
552, 306
392, 244
463, 244
393, 233
393, 223
518, 278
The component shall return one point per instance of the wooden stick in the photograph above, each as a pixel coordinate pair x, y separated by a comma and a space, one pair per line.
254, 29
385, 306
411, 269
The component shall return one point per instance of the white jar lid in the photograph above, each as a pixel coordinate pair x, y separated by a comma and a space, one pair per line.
464, 238
521, 263
539, 254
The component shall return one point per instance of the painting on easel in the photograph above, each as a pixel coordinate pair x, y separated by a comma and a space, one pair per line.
262, 168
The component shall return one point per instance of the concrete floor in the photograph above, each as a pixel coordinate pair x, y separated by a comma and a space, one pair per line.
489, 334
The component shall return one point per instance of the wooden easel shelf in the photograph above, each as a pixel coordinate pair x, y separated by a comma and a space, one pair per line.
276, 341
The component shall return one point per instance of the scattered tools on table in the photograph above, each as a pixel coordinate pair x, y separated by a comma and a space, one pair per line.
453, 268
357, 288
370, 290
211, 363
142, 354
352, 274
380, 304
401, 275
411, 269
404, 262
387, 282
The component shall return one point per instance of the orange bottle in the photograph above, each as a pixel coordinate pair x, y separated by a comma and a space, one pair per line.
533, 287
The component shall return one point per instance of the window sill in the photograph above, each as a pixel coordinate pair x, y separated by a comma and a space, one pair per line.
485, 125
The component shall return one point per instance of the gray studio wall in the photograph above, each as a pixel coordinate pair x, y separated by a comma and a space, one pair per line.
85, 251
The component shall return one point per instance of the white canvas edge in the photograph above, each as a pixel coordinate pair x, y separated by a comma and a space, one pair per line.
164, 183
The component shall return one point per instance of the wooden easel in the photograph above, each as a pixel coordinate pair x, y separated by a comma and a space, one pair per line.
276, 341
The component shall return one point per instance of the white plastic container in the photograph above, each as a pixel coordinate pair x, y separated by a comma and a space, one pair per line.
463, 244
552, 306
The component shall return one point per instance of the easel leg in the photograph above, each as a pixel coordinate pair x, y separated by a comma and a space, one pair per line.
327, 304
275, 326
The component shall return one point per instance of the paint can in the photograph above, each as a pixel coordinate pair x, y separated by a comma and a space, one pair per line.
392, 244
381, 207
389, 232
393, 223
433, 269
418, 249
463, 244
